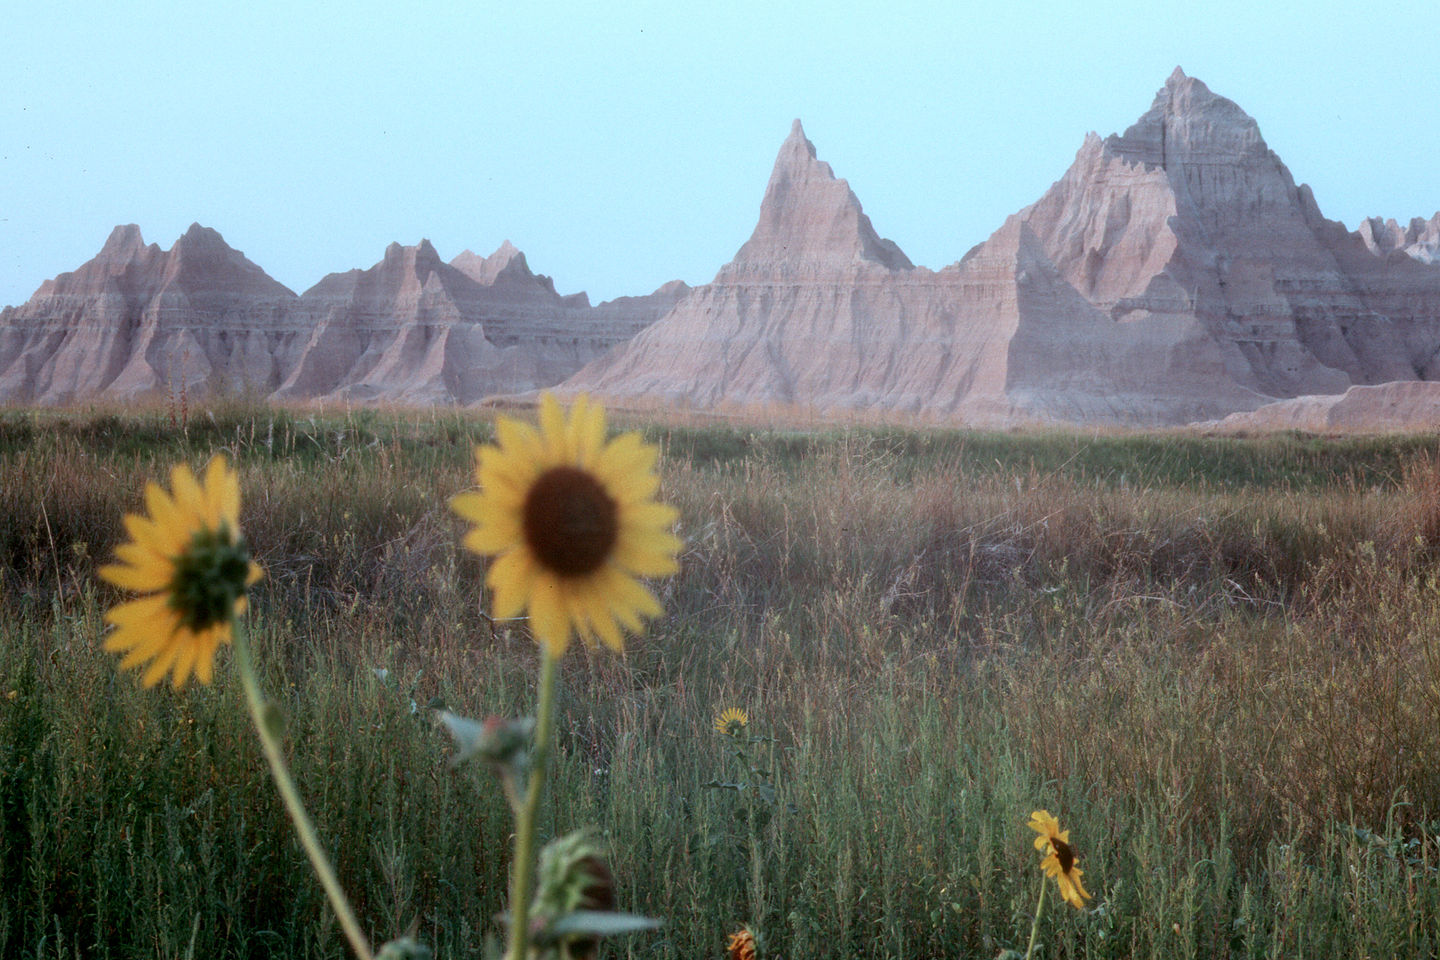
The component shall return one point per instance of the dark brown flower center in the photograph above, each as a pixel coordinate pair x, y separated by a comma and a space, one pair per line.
209, 578
570, 522
1063, 853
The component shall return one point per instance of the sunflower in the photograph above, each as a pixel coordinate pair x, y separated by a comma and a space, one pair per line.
732, 722
571, 522
741, 946
1060, 858
190, 561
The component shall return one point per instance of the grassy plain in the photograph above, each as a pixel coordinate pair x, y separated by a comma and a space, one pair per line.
1217, 660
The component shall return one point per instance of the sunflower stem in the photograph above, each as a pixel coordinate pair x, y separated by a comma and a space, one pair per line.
524, 865
304, 828
1035, 924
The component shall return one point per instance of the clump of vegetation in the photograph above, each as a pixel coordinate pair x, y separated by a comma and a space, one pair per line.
1217, 659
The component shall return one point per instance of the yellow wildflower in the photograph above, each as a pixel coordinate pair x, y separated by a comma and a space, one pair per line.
571, 522
190, 561
732, 722
1060, 859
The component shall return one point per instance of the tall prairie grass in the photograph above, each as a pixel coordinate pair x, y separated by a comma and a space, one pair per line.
1218, 660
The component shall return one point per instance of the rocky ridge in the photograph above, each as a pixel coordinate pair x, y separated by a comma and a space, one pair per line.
136, 321
1420, 240
1175, 273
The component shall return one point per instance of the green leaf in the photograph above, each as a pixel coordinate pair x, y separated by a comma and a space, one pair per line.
497, 740
404, 949
601, 923
467, 734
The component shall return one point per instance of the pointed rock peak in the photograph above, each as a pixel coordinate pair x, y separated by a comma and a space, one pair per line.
199, 238
124, 235
810, 217
419, 259
123, 244
797, 154
507, 261
507, 258
1187, 123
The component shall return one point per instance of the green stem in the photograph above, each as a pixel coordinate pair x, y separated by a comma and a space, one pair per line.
1035, 924
524, 865
265, 716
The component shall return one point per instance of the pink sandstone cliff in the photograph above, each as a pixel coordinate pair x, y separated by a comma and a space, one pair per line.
1175, 273
137, 320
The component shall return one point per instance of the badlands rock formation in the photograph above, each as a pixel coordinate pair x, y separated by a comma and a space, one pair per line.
137, 320
1175, 273
1403, 406
413, 329
817, 311
1188, 218
1421, 239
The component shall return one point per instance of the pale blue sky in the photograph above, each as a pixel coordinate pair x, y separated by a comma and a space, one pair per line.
622, 146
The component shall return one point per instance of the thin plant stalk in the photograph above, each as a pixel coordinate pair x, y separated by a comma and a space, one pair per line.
1035, 924
262, 712
520, 877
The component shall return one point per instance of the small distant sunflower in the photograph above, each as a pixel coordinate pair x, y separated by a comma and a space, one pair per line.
190, 561
1060, 858
732, 722
571, 523
741, 946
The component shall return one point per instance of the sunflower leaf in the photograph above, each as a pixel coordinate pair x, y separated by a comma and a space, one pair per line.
601, 923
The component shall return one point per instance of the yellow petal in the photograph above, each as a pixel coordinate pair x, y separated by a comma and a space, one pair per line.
222, 492
651, 515
144, 579
185, 662
142, 555
166, 658
190, 498
505, 475
512, 578
627, 455
648, 555
469, 505
148, 649
631, 487
205, 663
167, 515
625, 592
549, 620
147, 533
488, 541
587, 431
552, 431
610, 633
154, 609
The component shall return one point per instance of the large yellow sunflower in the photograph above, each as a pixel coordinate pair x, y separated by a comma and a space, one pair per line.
732, 721
1060, 858
190, 561
571, 522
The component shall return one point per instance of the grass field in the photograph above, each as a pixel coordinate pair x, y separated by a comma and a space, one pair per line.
1216, 660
